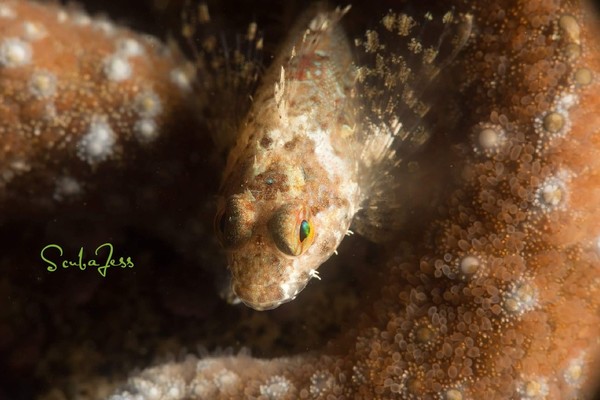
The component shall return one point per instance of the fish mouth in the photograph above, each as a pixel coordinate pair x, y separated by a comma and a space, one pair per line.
266, 297
264, 280
265, 306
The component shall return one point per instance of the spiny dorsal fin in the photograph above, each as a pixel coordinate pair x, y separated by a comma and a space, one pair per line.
398, 67
315, 25
228, 70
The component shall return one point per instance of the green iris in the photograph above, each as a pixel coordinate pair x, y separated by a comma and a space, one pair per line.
304, 230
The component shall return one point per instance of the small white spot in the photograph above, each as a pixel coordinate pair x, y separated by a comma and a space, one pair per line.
533, 389
555, 123
175, 392
321, 382
98, 143
574, 371
34, 31
146, 130
202, 389
81, 19
62, 16
522, 298
453, 394
15, 168
129, 48
104, 25
566, 101
117, 68
489, 139
181, 79
66, 187
14, 52
7, 12
148, 104
225, 379
553, 193
469, 265
42, 84
276, 387
359, 373
20, 166
161, 388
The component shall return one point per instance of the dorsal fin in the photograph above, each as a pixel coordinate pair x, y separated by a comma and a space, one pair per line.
399, 65
228, 69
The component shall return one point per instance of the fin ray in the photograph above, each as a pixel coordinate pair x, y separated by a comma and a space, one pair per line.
399, 67
231, 73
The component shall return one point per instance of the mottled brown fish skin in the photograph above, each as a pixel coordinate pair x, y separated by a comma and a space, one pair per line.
290, 190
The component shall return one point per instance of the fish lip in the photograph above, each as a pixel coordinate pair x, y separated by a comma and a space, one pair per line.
264, 287
264, 307
254, 303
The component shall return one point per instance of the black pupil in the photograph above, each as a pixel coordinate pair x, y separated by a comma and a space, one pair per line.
304, 230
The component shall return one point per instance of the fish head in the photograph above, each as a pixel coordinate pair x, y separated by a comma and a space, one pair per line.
274, 248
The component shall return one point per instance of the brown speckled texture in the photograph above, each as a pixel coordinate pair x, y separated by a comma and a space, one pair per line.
494, 295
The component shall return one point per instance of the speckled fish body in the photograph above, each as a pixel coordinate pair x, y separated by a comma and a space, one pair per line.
290, 187
325, 144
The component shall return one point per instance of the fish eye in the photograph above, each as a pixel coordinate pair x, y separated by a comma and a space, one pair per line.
292, 230
219, 223
234, 221
305, 229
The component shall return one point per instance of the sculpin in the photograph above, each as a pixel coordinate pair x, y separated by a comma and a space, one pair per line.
317, 150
